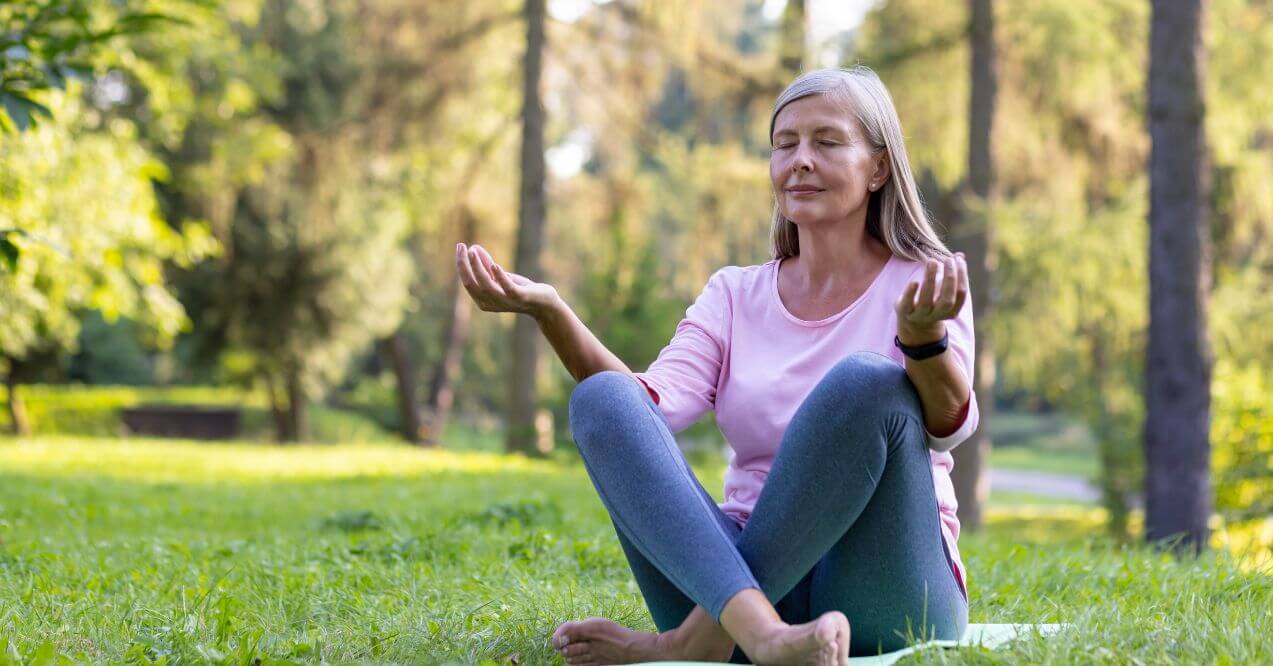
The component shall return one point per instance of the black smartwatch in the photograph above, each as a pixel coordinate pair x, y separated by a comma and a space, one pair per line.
921, 352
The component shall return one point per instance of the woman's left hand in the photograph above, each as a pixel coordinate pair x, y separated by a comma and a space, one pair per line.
920, 320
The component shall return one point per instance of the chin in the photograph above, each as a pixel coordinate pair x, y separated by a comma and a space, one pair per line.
805, 217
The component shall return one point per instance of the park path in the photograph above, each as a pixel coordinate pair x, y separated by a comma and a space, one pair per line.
1062, 486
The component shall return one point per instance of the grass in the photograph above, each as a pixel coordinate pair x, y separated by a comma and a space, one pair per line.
169, 551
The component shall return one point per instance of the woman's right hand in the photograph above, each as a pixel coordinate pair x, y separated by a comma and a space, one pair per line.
495, 290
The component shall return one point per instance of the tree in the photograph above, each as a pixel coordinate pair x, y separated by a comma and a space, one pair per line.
521, 435
1178, 364
975, 237
93, 240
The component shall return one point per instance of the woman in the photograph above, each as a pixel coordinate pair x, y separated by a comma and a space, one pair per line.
841, 375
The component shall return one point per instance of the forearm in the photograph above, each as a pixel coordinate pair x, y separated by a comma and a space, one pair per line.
943, 389
579, 350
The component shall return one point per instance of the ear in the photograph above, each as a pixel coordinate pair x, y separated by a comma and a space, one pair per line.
883, 168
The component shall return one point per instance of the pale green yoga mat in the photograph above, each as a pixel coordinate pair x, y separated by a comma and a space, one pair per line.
987, 635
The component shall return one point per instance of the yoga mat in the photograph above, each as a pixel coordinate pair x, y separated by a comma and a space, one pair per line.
986, 635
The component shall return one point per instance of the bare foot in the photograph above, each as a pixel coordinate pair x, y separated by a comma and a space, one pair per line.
598, 640
822, 642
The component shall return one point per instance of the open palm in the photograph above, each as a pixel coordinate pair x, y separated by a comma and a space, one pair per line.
496, 290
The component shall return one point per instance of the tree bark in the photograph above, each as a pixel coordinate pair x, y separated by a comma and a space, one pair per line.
441, 386
297, 409
521, 434
972, 458
1178, 358
394, 350
18, 422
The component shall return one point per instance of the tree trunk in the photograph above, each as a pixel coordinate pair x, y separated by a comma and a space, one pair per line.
394, 350
297, 417
1115, 495
972, 458
441, 386
1178, 360
278, 410
18, 422
521, 435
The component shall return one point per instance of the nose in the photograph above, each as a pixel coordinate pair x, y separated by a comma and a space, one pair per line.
802, 160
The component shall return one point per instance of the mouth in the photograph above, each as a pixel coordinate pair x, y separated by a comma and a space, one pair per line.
803, 191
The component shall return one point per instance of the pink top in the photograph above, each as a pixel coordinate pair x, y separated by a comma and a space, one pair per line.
738, 350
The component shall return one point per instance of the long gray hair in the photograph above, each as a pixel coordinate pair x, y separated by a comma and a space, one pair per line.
894, 215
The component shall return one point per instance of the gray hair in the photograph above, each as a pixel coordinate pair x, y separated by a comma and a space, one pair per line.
895, 214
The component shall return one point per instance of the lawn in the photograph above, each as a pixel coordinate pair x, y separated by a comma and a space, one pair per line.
151, 551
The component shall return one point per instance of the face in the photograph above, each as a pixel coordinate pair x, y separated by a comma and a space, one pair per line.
822, 168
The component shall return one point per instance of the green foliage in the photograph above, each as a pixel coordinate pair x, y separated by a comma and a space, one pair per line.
92, 237
46, 43
1242, 441
242, 552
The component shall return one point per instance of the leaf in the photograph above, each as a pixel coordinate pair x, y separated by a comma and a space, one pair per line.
9, 254
22, 109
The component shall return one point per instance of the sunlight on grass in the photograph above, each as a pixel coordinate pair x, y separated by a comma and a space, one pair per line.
183, 460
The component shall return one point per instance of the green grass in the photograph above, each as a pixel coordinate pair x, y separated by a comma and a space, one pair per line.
148, 550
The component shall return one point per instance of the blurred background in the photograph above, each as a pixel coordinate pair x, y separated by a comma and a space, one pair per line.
236, 219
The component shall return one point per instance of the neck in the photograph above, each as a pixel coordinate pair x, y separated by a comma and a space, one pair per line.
834, 255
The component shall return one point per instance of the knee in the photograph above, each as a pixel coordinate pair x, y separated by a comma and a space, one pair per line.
600, 394
869, 379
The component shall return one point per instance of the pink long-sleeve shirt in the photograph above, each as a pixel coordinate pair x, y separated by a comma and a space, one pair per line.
739, 351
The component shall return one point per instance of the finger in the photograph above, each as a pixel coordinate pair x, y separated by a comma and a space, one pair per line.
961, 291
949, 284
487, 259
906, 303
925, 304
506, 282
462, 267
484, 279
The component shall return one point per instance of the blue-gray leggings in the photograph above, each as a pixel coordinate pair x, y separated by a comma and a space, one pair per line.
847, 519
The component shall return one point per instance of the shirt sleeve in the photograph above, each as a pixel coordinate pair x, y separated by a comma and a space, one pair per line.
684, 377
963, 345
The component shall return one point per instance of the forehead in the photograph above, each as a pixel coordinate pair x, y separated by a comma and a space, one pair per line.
814, 111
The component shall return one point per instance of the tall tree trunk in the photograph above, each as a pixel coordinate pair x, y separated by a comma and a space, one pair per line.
394, 350
456, 332
521, 434
1178, 360
278, 412
972, 458
18, 422
297, 408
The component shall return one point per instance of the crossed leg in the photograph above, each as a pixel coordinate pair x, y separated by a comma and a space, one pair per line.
847, 521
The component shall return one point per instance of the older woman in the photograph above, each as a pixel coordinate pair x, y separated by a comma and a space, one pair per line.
840, 372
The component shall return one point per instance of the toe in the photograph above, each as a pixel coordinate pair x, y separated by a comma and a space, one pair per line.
576, 652
562, 636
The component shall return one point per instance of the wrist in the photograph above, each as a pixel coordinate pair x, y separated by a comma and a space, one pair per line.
913, 336
549, 310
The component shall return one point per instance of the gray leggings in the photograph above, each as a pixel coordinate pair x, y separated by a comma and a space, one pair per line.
847, 519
